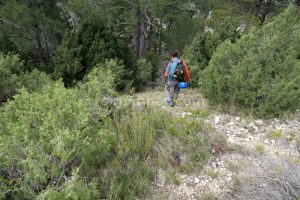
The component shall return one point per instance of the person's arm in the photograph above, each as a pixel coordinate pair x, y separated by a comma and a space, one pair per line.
168, 68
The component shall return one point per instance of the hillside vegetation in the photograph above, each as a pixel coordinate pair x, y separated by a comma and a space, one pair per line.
83, 113
261, 71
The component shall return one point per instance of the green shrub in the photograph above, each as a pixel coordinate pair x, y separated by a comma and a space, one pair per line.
6, 45
261, 71
13, 77
259, 149
275, 135
118, 70
68, 59
92, 45
199, 53
131, 181
10, 67
74, 189
172, 178
45, 136
83, 143
137, 130
34, 81
143, 74
226, 17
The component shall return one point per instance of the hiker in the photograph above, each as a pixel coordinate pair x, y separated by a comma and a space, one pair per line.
176, 72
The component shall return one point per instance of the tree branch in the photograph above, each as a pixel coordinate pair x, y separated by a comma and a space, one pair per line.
15, 25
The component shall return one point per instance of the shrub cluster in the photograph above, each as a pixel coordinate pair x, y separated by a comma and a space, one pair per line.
261, 71
92, 47
83, 143
13, 76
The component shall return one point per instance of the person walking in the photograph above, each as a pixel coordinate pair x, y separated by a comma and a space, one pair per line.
176, 72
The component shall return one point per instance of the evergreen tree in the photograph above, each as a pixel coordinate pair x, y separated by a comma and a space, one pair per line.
261, 70
34, 26
92, 45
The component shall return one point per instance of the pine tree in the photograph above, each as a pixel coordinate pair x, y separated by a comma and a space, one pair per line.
261, 70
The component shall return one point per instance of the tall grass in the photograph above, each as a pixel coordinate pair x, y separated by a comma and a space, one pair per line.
149, 140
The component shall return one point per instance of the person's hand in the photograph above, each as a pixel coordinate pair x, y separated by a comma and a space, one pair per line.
166, 75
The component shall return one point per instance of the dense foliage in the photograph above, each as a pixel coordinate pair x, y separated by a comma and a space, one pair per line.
68, 38
13, 76
33, 27
227, 20
261, 71
66, 133
92, 45
81, 143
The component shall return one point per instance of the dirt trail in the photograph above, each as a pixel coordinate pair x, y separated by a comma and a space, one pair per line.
248, 139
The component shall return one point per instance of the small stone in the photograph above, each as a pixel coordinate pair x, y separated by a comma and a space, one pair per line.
237, 119
217, 120
244, 123
266, 141
273, 141
197, 180
230, 124
259, 122
269, 129
251, 137
252, 127
231, 140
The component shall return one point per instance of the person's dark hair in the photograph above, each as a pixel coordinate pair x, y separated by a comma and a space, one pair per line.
175, 54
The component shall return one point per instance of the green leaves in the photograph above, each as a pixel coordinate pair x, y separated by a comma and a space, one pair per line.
13, 77
34, 28
91, 47
47, 134
261, 70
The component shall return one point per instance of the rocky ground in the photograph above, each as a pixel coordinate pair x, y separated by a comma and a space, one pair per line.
248, 138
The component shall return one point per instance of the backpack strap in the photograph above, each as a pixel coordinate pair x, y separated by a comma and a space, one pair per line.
173, 68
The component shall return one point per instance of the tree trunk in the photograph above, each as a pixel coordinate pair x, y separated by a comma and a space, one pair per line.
159, 36
263, 8
139, 34
143, 36
39, 47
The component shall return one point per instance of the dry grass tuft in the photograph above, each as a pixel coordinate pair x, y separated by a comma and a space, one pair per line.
269, 178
